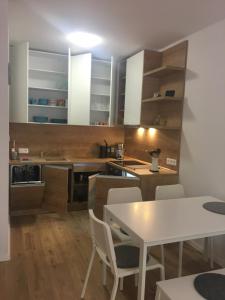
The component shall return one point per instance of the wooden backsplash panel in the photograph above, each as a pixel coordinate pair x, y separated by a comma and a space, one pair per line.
168, 141
68, 140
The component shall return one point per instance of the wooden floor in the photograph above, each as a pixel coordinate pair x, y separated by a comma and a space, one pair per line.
50, 255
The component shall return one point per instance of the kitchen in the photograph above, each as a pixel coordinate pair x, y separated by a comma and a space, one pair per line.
82, 122
83, 151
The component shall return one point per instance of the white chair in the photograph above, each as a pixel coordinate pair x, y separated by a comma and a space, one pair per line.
180, 288
175, 191
122, 195
103, 246
125, 195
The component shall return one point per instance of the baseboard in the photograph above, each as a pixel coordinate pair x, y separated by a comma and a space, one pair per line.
4, 257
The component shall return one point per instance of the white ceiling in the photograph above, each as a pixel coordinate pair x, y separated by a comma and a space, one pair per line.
125, 25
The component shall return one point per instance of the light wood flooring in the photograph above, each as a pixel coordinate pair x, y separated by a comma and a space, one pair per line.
50, 255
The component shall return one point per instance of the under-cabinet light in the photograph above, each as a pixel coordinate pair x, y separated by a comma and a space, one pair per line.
140, 131
152, 132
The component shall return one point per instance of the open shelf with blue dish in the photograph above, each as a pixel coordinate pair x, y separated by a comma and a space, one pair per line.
48, 88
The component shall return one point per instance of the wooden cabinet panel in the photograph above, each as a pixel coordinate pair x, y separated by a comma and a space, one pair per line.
56, 193
102, 186
89, 167
149, 184
25, 197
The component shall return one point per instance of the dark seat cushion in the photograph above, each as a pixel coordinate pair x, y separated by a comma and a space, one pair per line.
210, 286
127, 256
216, 207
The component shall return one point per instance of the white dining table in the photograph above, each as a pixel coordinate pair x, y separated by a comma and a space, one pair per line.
151, 223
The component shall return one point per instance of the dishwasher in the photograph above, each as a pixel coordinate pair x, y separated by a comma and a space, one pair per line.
26, 187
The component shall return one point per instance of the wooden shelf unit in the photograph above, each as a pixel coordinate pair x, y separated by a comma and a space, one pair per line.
164, 71
162, 99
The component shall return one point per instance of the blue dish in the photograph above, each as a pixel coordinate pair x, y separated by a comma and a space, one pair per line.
59, 121
40, 119
43, 101
32, 100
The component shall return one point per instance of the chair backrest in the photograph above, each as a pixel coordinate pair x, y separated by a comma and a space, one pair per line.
124, 195
173, 191
102, 241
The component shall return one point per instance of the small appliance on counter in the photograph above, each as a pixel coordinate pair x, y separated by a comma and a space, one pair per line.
107, 151
120, 151
103, 150
155, 160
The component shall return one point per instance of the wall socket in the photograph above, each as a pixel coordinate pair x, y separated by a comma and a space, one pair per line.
23, 151
171, 161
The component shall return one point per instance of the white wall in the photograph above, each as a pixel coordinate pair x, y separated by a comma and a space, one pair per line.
202, 169
4, 132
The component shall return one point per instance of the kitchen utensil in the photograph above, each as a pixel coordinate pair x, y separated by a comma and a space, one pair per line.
155, 160
170, 93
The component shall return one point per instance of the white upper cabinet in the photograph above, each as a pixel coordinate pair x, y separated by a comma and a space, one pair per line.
55, 88
101, 92
79, 89
133, 90
19, 83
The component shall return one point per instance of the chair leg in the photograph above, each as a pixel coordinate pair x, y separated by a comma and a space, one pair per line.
162, 255
206, 249
136, 279
104, 273
88, 273
162, 273
121, 284
115, 287
211, 242
181, 244
157, 296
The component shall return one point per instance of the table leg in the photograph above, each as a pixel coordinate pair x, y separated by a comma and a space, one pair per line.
142, 271
106, 217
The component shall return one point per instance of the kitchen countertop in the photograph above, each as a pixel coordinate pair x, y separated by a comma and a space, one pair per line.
70, 161
64, 161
